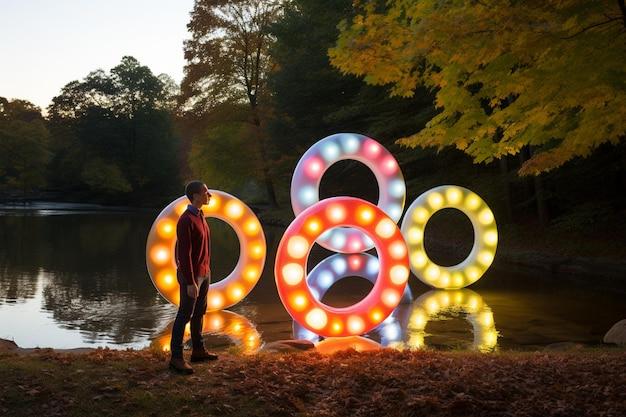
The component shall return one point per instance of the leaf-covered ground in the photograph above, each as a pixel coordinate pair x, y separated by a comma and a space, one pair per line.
382, 383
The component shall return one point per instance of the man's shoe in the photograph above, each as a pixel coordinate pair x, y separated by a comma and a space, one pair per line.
181, 366
202, 356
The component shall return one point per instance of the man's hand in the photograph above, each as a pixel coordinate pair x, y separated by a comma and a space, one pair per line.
192, 290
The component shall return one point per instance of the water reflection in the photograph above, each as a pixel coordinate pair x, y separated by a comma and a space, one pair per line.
440, 305
336, 344
241, 331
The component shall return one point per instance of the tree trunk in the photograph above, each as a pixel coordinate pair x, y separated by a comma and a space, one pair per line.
261, 143
504, 177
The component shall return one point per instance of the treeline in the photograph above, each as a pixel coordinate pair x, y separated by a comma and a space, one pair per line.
500, 99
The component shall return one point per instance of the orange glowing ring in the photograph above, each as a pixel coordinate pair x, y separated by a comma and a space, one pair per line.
291, 266
228, 291
236, 327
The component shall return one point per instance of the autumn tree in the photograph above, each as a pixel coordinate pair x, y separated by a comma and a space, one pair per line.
548, 76
227, 63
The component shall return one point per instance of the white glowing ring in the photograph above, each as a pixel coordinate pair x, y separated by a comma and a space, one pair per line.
319, 157
230, 290
236, 327
337, 267
485, 237
434, 303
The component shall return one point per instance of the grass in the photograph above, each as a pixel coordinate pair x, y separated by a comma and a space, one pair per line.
383, 383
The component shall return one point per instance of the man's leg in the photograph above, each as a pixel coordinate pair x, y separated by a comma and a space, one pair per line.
197, 318
185, 311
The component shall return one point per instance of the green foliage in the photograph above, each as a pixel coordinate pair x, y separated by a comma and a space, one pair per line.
545, 74
105, 177
24, 146
122, 123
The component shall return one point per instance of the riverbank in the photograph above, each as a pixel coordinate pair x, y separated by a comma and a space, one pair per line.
382, 383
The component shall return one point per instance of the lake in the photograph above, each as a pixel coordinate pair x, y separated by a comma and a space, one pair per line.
75, 276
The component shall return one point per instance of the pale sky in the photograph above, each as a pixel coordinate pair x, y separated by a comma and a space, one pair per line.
44, 44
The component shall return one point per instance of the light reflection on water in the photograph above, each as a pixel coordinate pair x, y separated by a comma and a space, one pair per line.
78, 279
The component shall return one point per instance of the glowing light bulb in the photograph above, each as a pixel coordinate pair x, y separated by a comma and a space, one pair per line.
485, 257
472, 273
385, 228
397, 188
234, 209
420, 215
256, 251
330, 152
454, 195
160, 255
415, 235
485, 216
216, 301
472, 201
372, 149
297, 247
390, 297
355, 325
299, 302
486, 319
336, 213
308, 196
432, 272
214, 203
337, 327
252, 227
376, 316
339, 266
313, 226
350, 144
419, 259
251, 273
166, 228
293, 273
236, 292
435, 200
180, 209
316, 318
389, 165
490, 238
314, 167
397, 249
399, 274
365, 215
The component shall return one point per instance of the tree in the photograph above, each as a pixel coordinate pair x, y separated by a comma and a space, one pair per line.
113, 132
549, 75
24, 145
227, 62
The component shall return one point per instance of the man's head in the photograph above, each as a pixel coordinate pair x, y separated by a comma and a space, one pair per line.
197, 193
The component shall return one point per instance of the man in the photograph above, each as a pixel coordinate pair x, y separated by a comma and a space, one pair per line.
193, 252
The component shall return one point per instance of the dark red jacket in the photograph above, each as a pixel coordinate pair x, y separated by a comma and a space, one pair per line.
193, 245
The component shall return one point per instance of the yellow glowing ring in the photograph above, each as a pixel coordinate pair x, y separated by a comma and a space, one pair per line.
432, 304
485, 237
291, 266
237, 328
228, 291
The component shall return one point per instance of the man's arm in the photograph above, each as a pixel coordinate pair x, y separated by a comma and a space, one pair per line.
183, 235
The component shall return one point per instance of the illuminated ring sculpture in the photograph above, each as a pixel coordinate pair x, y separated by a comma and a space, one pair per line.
237, 328
230, 290
337, 267
291, 265
485, 237
311, 167
434, 303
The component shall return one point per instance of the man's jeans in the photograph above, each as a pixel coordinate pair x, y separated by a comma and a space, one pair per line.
189, 309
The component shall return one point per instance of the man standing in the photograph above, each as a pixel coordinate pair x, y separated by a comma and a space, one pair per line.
193, 252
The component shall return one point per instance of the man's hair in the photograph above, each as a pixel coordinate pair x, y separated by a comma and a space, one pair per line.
193, 187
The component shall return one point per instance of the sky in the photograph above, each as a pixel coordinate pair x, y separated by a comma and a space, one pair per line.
44, 44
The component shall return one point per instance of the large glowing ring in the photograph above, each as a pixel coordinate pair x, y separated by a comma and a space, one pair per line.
337, 267
230, 290
485, 236
236, 327
291, 267
436, 302
311, 167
